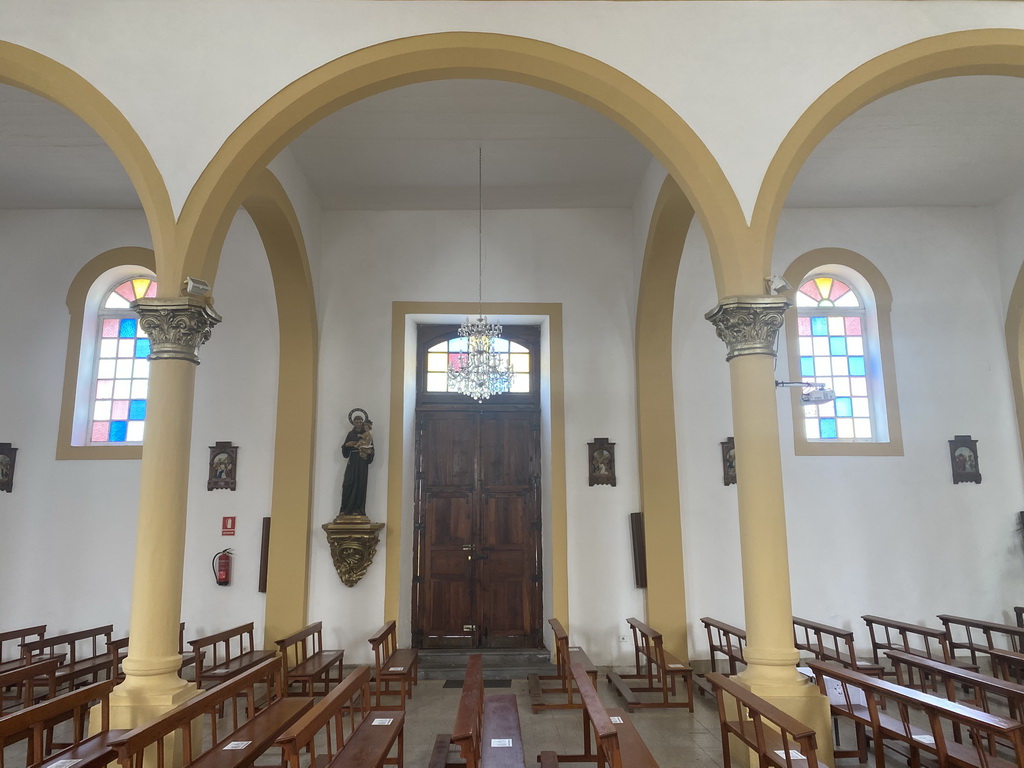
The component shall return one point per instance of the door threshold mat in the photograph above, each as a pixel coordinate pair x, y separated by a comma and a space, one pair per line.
487, 683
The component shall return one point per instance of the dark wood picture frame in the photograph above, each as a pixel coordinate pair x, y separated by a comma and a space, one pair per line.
8, 453
223, 466
963, 458
728, 461
639, 546
264, 554
601, 461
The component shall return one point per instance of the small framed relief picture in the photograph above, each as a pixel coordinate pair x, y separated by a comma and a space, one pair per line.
963, 455
7, 455
728, 461
223, 466
601, 461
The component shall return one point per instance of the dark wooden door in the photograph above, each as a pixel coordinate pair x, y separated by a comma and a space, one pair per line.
477, 546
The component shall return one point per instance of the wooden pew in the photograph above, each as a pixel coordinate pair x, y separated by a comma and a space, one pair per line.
564, 656
487, 731
13, 639
726, 640
616, 742
28, 684
656, 668
86, 655
955, 683
392, 665
257, 712
363, 740
1007, 665
829, 643
234, 652
1018, 611
978, 636
35, 723
892, 635
916, 722
307, 663
789, 744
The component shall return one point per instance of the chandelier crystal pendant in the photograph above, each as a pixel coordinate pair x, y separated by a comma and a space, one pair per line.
480, 371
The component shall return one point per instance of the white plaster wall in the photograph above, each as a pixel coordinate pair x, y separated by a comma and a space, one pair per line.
236, 401
581, 258
885, 535
67, 532
736, 72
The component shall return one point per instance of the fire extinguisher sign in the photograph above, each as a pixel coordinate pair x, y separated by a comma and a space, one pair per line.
227, 527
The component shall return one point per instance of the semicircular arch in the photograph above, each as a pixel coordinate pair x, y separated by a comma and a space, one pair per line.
33, 72
459, 55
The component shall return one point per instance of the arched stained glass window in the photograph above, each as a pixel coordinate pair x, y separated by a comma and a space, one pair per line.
439, 356
833, 352
121, 381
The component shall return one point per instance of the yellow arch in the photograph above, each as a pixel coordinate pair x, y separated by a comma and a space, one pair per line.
973, 52
369, 71
44, 77
268, 205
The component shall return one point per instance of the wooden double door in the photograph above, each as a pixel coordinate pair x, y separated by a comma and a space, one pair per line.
477, 549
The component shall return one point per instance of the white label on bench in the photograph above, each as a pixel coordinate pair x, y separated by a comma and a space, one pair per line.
501, 742
925, 739
793, 754
676, 666
615, 719
64, 763
382, 721
396, 669
238, 745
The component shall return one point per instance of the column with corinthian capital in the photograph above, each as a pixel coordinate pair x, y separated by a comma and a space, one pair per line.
176, 328
749, 326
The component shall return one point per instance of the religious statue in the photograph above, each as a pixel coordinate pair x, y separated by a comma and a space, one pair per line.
358, 449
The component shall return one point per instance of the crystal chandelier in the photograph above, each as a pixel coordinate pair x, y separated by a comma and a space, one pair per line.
480, 372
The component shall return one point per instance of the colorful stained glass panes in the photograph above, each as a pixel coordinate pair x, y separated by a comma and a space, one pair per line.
831, 351
441, 356
122, 368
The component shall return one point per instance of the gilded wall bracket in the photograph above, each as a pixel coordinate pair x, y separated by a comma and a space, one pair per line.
353, 540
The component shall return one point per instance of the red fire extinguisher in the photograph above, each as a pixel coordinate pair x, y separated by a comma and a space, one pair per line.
222, 567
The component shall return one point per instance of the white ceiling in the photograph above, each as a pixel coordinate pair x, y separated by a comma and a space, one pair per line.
953, 142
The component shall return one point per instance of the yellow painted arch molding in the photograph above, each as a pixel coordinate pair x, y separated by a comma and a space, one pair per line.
41, 75
343, 81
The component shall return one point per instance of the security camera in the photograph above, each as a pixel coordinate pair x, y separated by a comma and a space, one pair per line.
777, 284
193, 286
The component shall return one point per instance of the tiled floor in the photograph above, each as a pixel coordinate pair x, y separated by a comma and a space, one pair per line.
675, 737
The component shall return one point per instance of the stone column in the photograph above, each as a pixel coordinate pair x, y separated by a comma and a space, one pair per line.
749, 326
176, 328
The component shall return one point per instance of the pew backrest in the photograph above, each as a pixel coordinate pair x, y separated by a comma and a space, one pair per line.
893, 635
828, 643
85, 654
979, 636
232, 652
25, 685
726, 640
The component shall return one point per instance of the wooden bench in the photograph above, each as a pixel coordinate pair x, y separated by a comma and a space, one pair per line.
233, 653
35, 724
917, 722
362, 740
786, 743
828, 643
978, 636
656, 668
86, 654
892, 635
487, 732
616, 741
1007, 665
28, 684
564, 656
307, 663
392, 665
256, 713
13, 639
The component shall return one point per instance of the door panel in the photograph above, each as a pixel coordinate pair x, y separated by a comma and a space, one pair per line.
477, 530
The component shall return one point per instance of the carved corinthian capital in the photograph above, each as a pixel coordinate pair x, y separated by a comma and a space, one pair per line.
177, 328
749, 325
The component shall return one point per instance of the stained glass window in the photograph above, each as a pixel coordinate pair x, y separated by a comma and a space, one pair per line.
121, 384
439, 355
832, 351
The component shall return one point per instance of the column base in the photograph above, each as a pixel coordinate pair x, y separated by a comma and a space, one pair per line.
795, 695
138, 702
